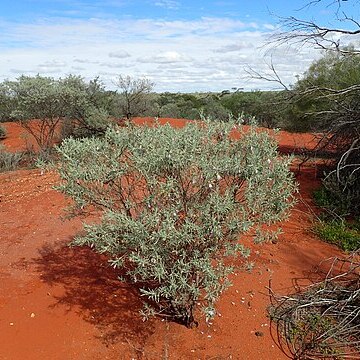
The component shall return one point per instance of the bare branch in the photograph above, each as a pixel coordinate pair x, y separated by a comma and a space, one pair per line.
298, 31
134, 93
322, 319
271, 76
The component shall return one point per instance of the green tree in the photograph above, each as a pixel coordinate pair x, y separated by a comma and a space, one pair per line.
175, 202
38, 98
88, 106
68, 102
7, 103
327, 97
263, 105
326, 92
178, 105
212, 108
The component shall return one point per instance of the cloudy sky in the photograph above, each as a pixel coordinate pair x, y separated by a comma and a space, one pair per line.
182, 45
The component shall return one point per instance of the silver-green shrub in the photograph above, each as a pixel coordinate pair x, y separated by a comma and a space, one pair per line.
175, 202
63, 107
3, 132
10, 161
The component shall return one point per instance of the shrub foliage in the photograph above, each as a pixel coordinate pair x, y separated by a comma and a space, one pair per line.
174, 203
9, 161
3, 132
341, 233
78, 107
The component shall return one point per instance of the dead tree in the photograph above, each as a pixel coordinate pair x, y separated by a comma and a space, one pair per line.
134, 95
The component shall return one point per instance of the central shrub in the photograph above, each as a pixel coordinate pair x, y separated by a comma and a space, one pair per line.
174, 203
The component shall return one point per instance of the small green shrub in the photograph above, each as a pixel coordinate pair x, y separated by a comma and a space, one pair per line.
323, 197
334, 225
341, 233
333, 203
94, 123
175, 202
9, 161
3, 132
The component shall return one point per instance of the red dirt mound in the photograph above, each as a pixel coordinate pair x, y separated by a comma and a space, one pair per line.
62, 303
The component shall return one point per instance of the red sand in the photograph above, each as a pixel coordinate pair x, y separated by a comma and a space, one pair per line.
62, 303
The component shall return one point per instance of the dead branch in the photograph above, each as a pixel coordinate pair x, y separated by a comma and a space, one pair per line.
323, 320
271, 76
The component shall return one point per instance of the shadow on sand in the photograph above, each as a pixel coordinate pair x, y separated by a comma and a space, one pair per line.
92, 289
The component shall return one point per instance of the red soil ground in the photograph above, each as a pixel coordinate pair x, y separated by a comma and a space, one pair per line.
62, 303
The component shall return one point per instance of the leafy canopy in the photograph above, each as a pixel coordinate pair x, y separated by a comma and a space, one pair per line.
174, 203
53, 102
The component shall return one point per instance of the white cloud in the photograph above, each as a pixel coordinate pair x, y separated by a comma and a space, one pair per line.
114, 65
53, 64
119, 54
86, 61
21, 71
167, 57
234, 47
269, 26
168, 4
201, 54
78, 68
111, 65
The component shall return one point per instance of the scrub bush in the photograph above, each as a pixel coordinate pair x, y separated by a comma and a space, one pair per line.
174, 203
3, 132
340, 233
62, 107
9, 161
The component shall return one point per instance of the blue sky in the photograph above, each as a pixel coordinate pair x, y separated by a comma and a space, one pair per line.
258, 10
181, 45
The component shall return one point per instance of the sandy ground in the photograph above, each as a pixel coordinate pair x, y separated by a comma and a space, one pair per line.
58, 302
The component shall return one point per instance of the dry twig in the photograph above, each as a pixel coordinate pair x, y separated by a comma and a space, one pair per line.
323, 320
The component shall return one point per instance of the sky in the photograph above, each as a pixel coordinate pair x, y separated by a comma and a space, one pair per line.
181, 45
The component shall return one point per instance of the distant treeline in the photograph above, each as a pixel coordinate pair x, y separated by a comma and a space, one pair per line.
314, 103
69, 96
